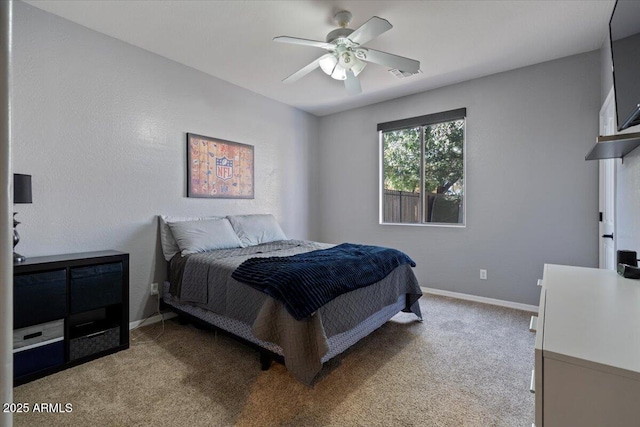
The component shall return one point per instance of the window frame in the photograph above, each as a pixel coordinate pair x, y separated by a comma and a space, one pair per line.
423, 121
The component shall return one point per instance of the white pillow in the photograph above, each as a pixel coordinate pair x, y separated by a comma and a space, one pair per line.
169, 245
255, 229
204, 235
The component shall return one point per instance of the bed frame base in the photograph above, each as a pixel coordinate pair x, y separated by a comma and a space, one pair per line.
337, 343
265, 359
266, 356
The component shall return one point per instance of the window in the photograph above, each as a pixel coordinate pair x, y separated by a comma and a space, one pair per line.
422, 169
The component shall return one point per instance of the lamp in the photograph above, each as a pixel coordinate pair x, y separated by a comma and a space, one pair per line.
21, 194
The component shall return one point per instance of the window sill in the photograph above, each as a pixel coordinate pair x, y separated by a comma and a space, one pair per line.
425, 224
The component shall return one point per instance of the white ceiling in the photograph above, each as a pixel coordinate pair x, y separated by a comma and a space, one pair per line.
453, 40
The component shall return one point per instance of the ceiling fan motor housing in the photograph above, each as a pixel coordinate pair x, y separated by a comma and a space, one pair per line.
338, 33
342, 18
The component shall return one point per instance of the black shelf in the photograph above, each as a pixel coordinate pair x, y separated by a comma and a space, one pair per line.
89, 291
614, 146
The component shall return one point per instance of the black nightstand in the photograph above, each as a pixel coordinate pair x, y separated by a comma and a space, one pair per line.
67, 310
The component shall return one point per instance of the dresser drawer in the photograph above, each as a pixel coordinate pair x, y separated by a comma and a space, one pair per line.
580, 396
537, 377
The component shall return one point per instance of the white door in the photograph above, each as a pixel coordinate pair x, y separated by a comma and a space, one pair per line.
607, 191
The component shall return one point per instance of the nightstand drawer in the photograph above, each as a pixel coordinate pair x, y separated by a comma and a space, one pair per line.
95, 286
39, 298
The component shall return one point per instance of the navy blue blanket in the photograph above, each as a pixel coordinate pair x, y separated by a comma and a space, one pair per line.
305, 282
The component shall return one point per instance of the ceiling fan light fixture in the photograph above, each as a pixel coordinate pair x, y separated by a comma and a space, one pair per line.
346, 60
328, 63
339, 73
358, 66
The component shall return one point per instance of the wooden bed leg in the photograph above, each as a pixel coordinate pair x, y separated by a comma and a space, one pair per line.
265, 361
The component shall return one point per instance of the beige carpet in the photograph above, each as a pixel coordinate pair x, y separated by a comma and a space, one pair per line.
467, 364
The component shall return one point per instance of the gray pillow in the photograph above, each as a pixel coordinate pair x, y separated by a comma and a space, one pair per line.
204, 235
255, 229
169, 245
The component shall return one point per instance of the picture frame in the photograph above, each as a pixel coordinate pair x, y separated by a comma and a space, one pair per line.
217, 168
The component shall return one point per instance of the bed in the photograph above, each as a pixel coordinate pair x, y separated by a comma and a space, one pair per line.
202, 285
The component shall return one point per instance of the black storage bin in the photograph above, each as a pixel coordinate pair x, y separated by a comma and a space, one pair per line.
95, 286
94, 343
38, 358
39, 298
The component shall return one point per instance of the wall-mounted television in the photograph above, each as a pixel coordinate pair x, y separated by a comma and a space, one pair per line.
624, 32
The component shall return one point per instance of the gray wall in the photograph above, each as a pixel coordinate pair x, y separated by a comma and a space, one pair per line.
531, 196
628, 202
101, 126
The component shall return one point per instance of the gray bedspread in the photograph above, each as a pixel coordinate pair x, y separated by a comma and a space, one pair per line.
204, 279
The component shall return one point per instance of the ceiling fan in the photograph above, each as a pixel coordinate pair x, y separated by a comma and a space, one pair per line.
346, 57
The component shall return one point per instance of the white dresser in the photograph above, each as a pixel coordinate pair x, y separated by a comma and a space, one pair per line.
587, 351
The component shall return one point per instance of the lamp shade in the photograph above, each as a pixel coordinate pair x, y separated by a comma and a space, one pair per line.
21, 188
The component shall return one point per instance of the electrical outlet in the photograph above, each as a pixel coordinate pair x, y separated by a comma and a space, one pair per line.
483, 274
154, 289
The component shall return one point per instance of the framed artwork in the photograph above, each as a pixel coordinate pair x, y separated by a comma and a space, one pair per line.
219, 169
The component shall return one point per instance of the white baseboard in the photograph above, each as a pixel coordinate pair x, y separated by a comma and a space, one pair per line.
151, 320
484, 300
518, 306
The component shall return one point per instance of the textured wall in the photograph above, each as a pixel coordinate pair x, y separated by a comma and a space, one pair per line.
101, 126
531, 196
628, 202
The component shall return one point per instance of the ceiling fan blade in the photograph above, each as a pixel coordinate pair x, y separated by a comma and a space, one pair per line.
304, 42
388, 59
352, 83
303, 71
370, 30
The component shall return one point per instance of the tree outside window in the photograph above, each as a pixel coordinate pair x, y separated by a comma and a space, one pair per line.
423, 173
